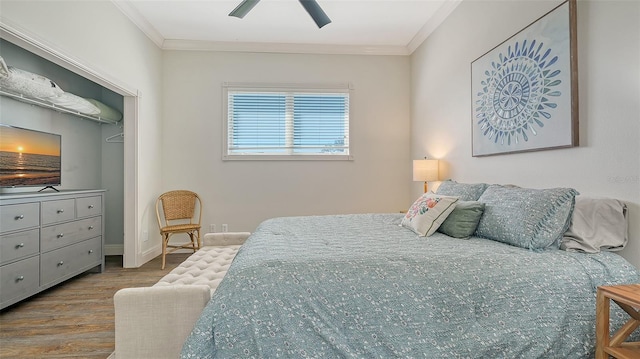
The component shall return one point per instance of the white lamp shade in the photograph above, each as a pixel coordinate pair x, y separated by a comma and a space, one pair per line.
425, 170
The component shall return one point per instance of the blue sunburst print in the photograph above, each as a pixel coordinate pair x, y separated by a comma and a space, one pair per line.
518, 93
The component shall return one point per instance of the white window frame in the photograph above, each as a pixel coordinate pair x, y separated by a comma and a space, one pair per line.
282, 87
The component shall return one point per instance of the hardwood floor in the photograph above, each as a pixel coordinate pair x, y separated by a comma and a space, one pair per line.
75, 319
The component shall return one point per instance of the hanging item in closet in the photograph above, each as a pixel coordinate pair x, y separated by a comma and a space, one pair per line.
119, 138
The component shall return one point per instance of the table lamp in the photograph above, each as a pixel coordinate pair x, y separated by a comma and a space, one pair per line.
425, 170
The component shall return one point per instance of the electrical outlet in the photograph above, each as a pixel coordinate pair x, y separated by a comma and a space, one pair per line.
225, 228
145, 236
212, 228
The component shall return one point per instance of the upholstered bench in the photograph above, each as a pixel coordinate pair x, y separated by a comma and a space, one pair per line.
207, 266
153, 322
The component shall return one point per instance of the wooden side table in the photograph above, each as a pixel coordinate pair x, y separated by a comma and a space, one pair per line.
628, 298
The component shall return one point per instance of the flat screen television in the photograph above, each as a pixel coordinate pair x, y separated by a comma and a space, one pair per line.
29, 157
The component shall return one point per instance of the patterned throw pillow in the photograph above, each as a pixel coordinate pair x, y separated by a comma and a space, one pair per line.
428, 212
464, 191
525, 217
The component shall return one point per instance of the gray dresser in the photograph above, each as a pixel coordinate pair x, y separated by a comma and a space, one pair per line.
48, 238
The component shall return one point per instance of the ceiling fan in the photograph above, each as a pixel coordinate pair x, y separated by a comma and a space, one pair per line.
312, 7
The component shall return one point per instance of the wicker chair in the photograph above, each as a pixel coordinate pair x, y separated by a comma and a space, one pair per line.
179, 216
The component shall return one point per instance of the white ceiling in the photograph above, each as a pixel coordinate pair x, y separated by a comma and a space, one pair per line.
394, 27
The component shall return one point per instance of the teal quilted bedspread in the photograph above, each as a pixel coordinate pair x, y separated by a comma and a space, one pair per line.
360, 286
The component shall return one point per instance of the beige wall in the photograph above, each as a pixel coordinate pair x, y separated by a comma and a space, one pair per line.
243, 193
608, 161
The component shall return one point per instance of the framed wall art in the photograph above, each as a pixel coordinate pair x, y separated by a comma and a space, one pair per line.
525, 90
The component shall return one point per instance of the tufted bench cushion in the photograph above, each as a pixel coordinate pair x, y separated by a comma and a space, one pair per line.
153, 322
206, 266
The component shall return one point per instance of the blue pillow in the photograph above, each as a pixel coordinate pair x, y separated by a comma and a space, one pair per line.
524, 217
464, 191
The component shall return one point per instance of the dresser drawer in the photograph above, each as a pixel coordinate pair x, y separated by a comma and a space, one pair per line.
58, 211
64, 262
19, 280
88, 206
60, 235
19, 216
19, 245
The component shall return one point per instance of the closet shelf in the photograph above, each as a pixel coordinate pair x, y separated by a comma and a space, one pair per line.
41, 103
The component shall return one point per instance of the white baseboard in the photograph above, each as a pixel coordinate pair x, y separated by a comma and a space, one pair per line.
151, 253
113, 249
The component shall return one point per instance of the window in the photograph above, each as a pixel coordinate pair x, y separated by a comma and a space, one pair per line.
286, 122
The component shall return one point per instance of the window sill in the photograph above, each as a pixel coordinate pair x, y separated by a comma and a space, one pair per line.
287, 158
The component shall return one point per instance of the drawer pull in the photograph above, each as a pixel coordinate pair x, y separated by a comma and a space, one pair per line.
60, 235
90, 206
90, 227
90, 251
60, 211
17, 218
20, 278
21, 245
60, 263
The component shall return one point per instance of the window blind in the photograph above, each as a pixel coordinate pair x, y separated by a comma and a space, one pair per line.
257, 122
287, 123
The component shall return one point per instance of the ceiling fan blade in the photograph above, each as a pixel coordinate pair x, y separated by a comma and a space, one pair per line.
316, 12
245, 6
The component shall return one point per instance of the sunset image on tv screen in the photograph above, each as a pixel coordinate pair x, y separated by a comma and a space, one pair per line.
28, 158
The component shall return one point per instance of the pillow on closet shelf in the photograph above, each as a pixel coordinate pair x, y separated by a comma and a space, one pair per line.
29, 84
106, 111
4, 69
73, 102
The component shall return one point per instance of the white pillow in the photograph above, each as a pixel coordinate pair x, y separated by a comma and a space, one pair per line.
73, 102
598, 224
4, 70
428, 212
29, 84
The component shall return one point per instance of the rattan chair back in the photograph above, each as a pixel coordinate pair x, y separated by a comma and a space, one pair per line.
179, 204
179, 216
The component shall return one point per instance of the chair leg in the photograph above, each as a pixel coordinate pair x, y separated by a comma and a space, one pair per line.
165, 240
193, 242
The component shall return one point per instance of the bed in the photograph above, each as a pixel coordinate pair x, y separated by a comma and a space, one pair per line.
363, 286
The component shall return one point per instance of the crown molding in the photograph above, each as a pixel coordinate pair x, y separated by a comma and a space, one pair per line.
134, 15
430, 26
200, 45
194, 45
